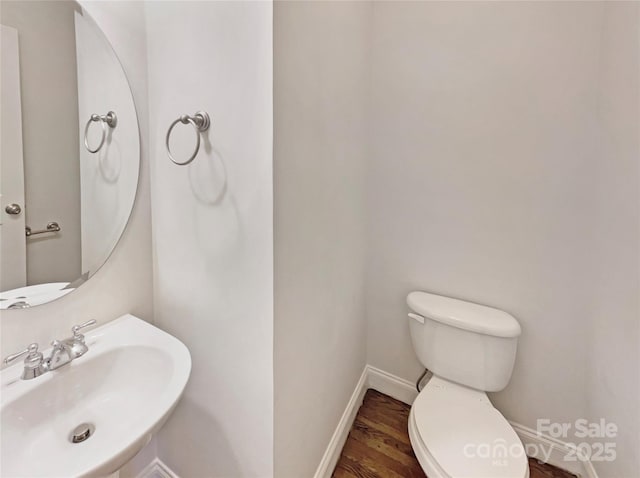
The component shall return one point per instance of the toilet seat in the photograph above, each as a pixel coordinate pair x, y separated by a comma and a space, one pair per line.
456, 432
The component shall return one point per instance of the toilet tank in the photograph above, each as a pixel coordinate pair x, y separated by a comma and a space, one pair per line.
467, 343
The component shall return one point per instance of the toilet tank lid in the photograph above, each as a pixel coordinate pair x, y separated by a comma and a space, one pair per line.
464, 315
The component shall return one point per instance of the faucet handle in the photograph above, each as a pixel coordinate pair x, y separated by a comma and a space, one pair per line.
32, 350
76, 329
33, 363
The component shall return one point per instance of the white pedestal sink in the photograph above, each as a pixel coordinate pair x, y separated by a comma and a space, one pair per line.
125, 387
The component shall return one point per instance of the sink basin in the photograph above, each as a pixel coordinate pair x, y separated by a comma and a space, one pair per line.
123, 388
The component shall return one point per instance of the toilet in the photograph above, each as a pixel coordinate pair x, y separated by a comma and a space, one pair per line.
454, 429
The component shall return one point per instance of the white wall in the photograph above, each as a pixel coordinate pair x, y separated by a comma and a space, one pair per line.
481, 182
123, 284
108, 178
49, 132
213, 230
321, 63
614, 349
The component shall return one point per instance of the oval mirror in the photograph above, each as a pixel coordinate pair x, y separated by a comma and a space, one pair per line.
69, 151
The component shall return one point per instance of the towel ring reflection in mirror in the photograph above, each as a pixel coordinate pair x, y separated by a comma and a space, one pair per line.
200, 122
110, 119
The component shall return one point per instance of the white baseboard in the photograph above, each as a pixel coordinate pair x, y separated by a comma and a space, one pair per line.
339, 438
553, 451
389, 384
157, 469
371, 378
541, 447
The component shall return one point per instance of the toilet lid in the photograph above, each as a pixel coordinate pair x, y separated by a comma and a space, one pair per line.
465, 434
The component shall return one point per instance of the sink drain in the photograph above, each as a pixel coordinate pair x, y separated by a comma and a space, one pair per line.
81, 432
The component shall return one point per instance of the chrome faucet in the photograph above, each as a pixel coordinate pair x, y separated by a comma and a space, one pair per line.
60, 355
33, 363
63, 352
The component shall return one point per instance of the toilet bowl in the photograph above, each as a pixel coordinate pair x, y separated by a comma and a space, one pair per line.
456, 432
454, 429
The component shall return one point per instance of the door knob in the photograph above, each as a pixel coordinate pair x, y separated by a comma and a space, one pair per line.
13, 209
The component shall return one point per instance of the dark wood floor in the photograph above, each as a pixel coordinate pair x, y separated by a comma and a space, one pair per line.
378, 444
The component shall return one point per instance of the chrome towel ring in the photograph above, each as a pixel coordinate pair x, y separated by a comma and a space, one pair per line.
110, 119
200, 122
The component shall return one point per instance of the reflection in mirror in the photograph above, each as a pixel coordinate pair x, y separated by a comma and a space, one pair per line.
69, 150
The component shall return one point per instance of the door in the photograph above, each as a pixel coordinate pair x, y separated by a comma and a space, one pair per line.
13, 245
